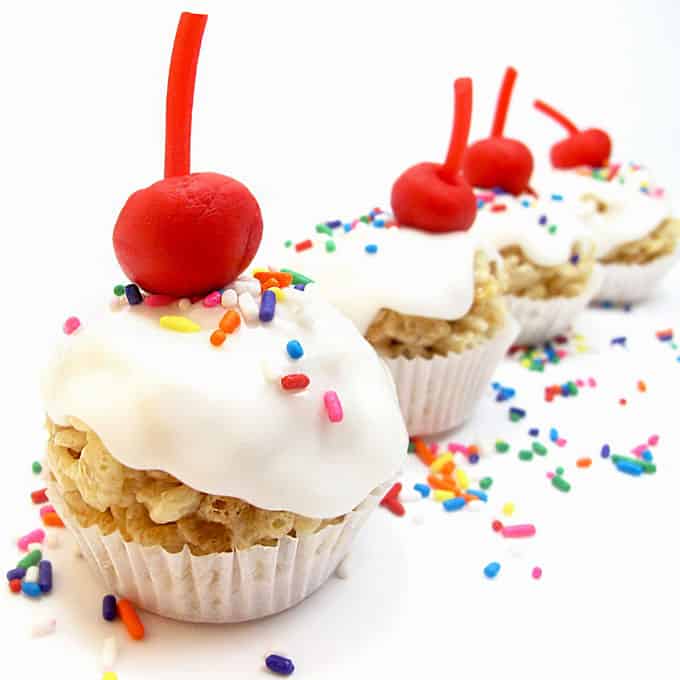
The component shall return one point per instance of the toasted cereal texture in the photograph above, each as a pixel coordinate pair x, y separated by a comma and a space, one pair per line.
660, 242
152, 507
394, 334
527, 279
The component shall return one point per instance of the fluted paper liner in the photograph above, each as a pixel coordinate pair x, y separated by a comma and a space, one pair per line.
541, 320
441, 393
634, 282
219, 588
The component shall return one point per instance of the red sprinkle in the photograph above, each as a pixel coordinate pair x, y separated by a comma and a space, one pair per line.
39, 496
496, 525
393, 492
394, 506
499, 207
15, 585
294, 381
303, 245
623, 402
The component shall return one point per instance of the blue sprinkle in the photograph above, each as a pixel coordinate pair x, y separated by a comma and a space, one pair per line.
479, 494
422, 489
279, 664
16, 574
621, 340
133, 294
31, 589
334, 224
109, 609
267, 306
647, 456
454, 504
294, 349
554, 436
371, 248
379, 223
534, 432
604, 452
473, 458
524, 203
557, 197
45, 576
543, 220
347, 227
496, 385
564, 390
629, 468
574, 259
498, 191
480, 203
491, 570
518, 411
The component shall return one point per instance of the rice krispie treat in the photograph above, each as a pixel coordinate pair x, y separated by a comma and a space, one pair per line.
548, 256
215, 439
419, 286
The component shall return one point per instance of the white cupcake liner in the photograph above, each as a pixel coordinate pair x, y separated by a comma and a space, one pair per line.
440, 393
634, 282
541, 320
219, 588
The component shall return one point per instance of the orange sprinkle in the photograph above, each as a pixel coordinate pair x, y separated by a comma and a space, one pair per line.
271, 283
282, 279
470, 497
447, 468
128, 615
51, 519
642, 386
472, 449
217, 338
230, 321
423, 452
443, 484
584, 462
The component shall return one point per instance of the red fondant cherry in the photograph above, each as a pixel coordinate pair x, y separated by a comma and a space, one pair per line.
190, 233
433, 196
500, 161
583, 147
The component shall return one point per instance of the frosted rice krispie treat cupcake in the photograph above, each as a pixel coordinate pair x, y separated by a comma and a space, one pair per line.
548, 256
628, 215
420, 287
215, 440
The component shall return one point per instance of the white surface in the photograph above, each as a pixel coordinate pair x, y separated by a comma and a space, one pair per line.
318, 108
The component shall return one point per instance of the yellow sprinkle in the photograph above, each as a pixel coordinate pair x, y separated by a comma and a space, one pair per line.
280, 295
508, 509
526, 363
110, 675
581, 348
441, 495
441, 461
180, 324
578, 337
259, 270
462, 478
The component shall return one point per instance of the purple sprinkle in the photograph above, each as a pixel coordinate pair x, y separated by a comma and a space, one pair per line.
605, 451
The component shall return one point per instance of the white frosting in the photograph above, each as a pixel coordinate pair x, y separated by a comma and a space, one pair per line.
218, 418
546, 230
634, 205
413, 272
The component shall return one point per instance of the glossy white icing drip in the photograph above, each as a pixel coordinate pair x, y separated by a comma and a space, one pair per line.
218, 419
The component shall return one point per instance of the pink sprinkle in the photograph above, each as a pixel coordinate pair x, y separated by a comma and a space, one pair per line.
580, 383
653, 440
561, 442
333, 406
45, 509
518, 531
536, 572
213, 299
434, 447
71, 325
35, 536
549, 475
561, 353
158, 300
455, 447
639, 450
658, 192
592, 382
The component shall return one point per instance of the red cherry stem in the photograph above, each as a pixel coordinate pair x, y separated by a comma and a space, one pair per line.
503, 104
556, 116
462, 116
180, 95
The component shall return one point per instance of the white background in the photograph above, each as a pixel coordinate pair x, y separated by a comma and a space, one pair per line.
317, 107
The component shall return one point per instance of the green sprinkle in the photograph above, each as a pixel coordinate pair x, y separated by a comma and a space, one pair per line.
561, 484
514, 417
288, 243
297, 277
560, 471
501, 446
30, 560
323, 229
648, 468
365, 219
485, 483
330, 246
119, 290
411, 446
525, 454
36, 467
573, 389
552, 229
539, 449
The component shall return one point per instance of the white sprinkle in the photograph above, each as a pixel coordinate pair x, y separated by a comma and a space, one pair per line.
108, 654
229, 298
31, 575
254, 288
474, 506
43, 627
410, 496
343, 569
184, 304
248, 307
52, 540
241, 287
268, 372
